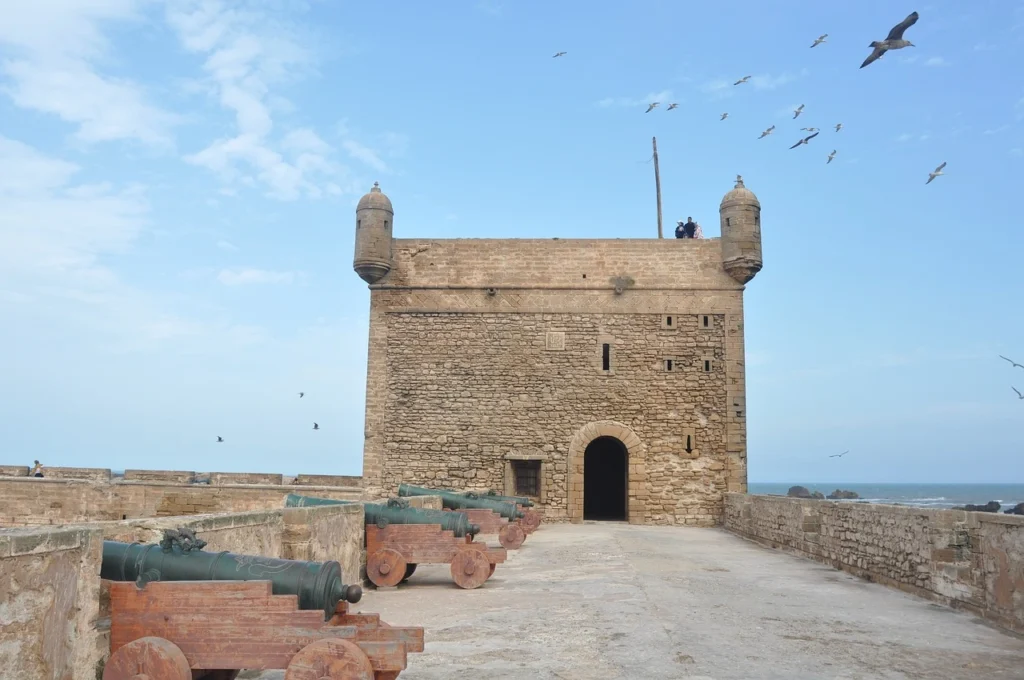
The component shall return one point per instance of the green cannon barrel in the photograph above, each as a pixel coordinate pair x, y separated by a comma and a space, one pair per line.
317, 584
495, 496
396, 511
458, 501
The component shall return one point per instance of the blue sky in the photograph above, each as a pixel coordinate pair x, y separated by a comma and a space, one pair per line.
178, 181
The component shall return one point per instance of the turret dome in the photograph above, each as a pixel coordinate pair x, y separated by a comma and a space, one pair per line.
376, 199
740, 195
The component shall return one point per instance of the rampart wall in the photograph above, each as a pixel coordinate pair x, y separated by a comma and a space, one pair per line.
968, 560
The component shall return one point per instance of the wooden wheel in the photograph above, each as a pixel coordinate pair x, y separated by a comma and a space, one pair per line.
531, 521
493, 567
470, 568
148, 658
511, 536
330, 660
386, 675
215, 675
410, 569
385, 568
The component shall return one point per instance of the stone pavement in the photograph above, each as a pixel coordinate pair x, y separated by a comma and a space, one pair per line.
607, 601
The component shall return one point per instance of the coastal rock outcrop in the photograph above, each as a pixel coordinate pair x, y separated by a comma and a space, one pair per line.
1015, 510
842, 494
798, 492
991, 506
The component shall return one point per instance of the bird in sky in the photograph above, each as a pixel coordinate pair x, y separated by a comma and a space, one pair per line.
1017, 391
301, 395
810, 129
672, 106
936, 173
742, 80
893, 41
805, 140
767, 132
315, 426
559, 54
839, 455
651, 107
820, 39
220, 439
724, 116
1012, 362
830, 157
839, 126
797, 111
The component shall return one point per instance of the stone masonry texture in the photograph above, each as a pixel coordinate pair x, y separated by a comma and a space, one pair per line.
484, 351
969, 560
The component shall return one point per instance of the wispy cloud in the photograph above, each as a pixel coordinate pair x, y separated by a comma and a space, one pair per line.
227, 245
1017, 151
936, 61
984, 47
52, 68
663, 96
996, 131
906, 137
248, 53
242, 277
492, 7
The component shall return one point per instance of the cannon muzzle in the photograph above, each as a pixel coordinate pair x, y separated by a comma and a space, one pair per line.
454, 500
318, 585
396, 511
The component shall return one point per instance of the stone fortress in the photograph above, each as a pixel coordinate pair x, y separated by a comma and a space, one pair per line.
602, 378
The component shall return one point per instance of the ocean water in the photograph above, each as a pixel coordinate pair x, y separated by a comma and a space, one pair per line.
923, 495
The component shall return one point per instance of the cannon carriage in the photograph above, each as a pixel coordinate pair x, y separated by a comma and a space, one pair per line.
494, 516
531, 515
181, 613
398, 538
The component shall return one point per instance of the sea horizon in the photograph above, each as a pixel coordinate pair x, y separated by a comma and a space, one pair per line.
927, 495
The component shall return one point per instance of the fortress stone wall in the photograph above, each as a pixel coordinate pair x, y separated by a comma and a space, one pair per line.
969, 560
489, 354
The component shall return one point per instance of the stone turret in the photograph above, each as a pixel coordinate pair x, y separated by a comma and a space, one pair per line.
374, 221
740, 213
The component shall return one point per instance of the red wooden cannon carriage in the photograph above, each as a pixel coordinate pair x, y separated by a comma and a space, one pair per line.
210, 630
394, 550
510, 534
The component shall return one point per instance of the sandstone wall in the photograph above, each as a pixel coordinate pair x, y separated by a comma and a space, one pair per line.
175, 476
971, 560
27, 500
328, 480
92, 474
269, 478
14, 470
49, 603
466, 391
334, 532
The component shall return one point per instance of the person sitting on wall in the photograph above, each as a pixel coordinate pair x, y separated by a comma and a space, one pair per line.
37, 471
698, 232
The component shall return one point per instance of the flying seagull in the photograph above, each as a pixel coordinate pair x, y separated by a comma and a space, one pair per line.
797, 111
830, 157
301, 395
559, 54
810, 129
820, 39
839, 126
839, 455
315, 426
767, 132
742, 80
1017, 391
672, 106
805, 140
220, 439
724, 116
651, 107
938, 171
893, 41
1012, 362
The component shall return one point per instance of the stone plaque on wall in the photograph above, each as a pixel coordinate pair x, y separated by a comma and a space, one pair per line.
555, 340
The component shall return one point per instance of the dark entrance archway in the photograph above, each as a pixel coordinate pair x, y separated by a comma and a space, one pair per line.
605, 480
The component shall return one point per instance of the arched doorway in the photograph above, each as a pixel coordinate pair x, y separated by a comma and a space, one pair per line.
605, 480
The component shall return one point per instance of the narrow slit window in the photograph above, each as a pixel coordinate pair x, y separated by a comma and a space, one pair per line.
728, 221
668, 320
706, 321
707, 365
757, 220
606, 357
668, 364
385, 225
359, 223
